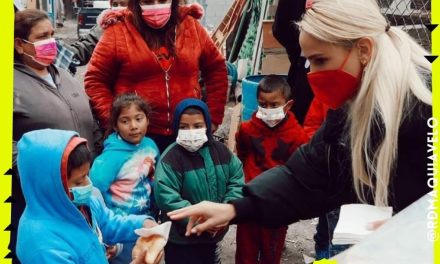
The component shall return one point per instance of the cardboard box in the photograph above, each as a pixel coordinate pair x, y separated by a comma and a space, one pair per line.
275, 63
269, 41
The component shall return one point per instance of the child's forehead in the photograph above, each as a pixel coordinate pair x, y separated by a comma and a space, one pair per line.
132, 107
276, 95
192, 118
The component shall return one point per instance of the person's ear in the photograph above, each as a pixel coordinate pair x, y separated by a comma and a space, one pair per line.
288, 106
365, 49
18, 45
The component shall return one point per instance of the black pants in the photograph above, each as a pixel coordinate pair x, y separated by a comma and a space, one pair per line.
192, 254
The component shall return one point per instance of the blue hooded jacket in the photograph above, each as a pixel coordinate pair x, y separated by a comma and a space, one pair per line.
123, 175
52, 229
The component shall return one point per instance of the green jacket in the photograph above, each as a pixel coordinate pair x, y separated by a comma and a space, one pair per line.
184, 178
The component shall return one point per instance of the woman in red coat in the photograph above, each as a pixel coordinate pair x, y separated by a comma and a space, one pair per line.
156, 49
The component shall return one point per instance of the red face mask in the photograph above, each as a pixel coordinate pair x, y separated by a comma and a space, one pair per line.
334, 87
156, 16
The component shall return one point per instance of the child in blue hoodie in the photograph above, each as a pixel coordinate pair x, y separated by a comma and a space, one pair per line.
124, 171
63, 222
193, 169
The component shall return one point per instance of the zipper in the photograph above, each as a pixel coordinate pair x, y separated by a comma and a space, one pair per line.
167, 78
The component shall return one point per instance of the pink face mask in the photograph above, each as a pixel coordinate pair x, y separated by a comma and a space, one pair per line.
45, 51
156, 16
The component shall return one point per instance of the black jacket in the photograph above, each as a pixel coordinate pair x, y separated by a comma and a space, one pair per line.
317, 177
286, 32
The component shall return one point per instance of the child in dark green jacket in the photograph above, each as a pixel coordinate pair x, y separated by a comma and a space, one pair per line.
193, 169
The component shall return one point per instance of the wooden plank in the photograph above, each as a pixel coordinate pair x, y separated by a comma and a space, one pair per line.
275, 64
228, 22
235, 123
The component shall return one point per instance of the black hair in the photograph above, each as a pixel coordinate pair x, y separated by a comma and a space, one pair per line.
24, 22
272, 83
123, 101
79, 156
155, 38
193, 111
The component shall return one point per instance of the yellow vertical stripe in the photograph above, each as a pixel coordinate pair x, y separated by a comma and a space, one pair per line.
6, 75
435, 6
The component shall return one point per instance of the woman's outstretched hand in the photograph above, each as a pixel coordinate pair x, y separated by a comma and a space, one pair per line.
204, 216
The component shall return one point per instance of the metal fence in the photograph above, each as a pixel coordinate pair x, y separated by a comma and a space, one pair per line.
410, 15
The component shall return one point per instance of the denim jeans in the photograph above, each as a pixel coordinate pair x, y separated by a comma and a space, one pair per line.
332, 220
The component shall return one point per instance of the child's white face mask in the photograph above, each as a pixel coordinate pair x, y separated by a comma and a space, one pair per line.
271, 116
192, 139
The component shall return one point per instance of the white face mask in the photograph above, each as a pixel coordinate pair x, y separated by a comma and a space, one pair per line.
272, 116
192, 139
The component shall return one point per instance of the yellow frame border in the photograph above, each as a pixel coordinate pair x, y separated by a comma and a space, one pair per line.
6, 99
435, 19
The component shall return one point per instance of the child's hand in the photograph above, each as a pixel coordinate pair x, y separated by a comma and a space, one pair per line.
148, 250
110, 251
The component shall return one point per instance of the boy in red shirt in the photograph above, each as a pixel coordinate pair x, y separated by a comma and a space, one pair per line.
267, 140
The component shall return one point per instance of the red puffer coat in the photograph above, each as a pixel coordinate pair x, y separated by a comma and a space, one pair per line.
122, 62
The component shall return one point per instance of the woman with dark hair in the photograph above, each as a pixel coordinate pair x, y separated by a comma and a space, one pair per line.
156, 49
44, 96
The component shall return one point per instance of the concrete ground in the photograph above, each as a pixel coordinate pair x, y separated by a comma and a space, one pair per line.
300, 235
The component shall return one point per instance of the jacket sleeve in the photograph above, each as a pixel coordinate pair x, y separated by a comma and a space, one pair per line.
49, 256
100, 76
301, 189
167, 186
84, 46
103, 172
116, 228
284, 29
242, 144
235, 182
214, 74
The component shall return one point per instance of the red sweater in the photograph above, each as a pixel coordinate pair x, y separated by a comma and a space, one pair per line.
260, 147
122, 62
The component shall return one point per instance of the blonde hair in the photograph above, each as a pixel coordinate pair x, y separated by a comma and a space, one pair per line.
394, 77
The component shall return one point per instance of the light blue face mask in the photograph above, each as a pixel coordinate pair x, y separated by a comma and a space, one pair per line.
82, 194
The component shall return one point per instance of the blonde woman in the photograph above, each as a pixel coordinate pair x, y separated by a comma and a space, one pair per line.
371, 149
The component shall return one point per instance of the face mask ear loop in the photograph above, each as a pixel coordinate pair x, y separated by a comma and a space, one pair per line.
345, 60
